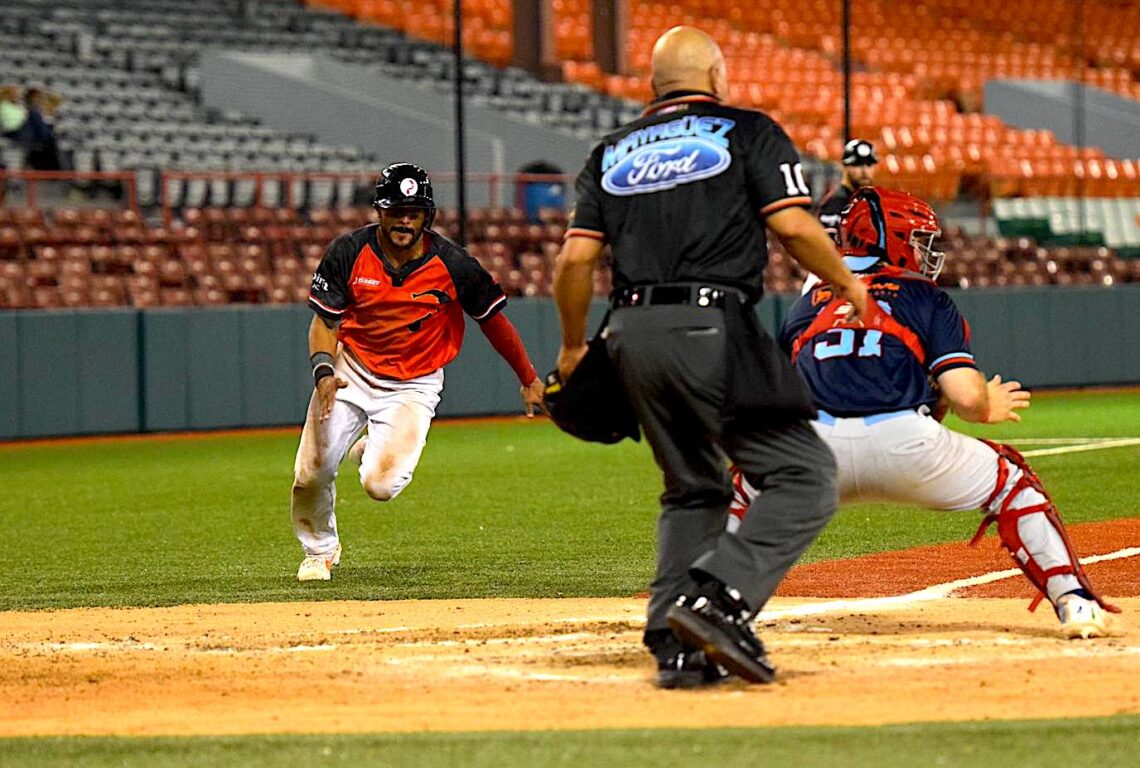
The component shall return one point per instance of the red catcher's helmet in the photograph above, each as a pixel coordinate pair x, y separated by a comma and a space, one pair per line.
894, 226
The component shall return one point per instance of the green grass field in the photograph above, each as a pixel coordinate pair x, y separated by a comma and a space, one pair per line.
1103, 742
496, 509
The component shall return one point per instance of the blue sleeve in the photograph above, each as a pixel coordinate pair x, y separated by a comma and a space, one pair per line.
948, 337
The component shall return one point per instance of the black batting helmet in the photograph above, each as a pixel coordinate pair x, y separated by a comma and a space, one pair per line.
404, 185
859, 152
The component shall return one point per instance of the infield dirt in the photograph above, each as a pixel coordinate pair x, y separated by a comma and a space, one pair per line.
325, 667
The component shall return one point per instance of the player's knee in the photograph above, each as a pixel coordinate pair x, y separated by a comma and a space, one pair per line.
312, 476
1020, 486
383, 487
379, 491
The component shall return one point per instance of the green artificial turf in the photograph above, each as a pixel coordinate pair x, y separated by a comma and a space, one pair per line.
496, 509
1100, 742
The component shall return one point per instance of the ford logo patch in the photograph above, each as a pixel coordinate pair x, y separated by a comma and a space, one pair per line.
666, 164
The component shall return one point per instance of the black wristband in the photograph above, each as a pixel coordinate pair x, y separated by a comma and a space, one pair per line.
323, 365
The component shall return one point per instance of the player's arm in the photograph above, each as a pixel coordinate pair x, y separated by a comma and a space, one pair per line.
972, 398
483, 300
573, 287
329, 298
322, 336
504, 337
574, 270
960, 385
774, 176
322, 357
809, 244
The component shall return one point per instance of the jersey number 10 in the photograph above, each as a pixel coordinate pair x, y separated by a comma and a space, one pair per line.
844, 345
794, 179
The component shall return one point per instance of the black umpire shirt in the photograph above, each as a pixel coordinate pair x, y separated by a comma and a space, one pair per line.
681, 193
831, 208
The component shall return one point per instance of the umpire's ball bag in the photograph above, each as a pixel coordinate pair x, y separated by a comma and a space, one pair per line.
592, 405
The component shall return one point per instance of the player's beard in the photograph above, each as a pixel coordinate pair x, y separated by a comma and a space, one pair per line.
862, 180
406, 232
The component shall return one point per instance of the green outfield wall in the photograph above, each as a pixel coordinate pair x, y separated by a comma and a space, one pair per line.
113, 371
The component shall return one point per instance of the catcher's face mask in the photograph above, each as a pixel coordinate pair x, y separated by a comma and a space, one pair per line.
930, 260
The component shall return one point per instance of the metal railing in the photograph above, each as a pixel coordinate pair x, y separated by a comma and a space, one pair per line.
32, 180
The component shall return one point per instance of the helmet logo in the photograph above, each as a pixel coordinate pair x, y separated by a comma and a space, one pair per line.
409, 187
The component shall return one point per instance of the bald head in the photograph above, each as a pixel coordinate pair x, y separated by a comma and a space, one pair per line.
685, 58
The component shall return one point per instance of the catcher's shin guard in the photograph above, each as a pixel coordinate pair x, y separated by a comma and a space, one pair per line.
742, 495
1015, 476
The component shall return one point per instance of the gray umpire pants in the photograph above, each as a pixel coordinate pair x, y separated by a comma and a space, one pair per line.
671, 359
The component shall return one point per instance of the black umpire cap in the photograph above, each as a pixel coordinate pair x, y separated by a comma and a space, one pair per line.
859, 152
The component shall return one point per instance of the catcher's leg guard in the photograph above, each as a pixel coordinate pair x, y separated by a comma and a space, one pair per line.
742, 495
1031, 530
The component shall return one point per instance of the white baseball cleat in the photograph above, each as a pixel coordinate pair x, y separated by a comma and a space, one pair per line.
318, 567
1081, 618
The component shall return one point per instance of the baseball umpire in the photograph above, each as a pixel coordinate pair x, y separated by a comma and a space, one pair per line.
859, 164
389, 300
682, 194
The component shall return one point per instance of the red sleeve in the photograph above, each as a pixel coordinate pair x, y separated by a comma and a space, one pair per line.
505, 339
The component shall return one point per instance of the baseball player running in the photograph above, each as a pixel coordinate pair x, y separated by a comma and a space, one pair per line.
389, 300
880, 413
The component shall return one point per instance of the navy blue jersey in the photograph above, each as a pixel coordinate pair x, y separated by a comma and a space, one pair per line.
853, 370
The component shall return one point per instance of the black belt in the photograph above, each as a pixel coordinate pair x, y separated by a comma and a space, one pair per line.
693, 294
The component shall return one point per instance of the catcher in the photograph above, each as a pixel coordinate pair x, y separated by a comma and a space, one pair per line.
882, 387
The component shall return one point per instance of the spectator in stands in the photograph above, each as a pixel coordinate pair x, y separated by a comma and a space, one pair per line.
38, 134
13, 114
859, 164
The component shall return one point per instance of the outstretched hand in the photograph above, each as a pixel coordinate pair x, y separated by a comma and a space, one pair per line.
1005, 399
326, 394
532, 397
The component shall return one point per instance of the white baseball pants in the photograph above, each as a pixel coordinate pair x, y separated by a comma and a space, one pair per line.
397, 414
908, 457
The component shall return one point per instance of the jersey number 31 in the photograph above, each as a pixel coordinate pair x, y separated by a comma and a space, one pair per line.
844, 344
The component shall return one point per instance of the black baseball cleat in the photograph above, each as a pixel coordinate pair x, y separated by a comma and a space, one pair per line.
722, 632
681, 667
688, 668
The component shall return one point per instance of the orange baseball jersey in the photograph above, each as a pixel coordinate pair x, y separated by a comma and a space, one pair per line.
407, 322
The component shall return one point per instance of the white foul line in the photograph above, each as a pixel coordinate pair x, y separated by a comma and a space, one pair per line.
1054, 440
1121, 443
935, 592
